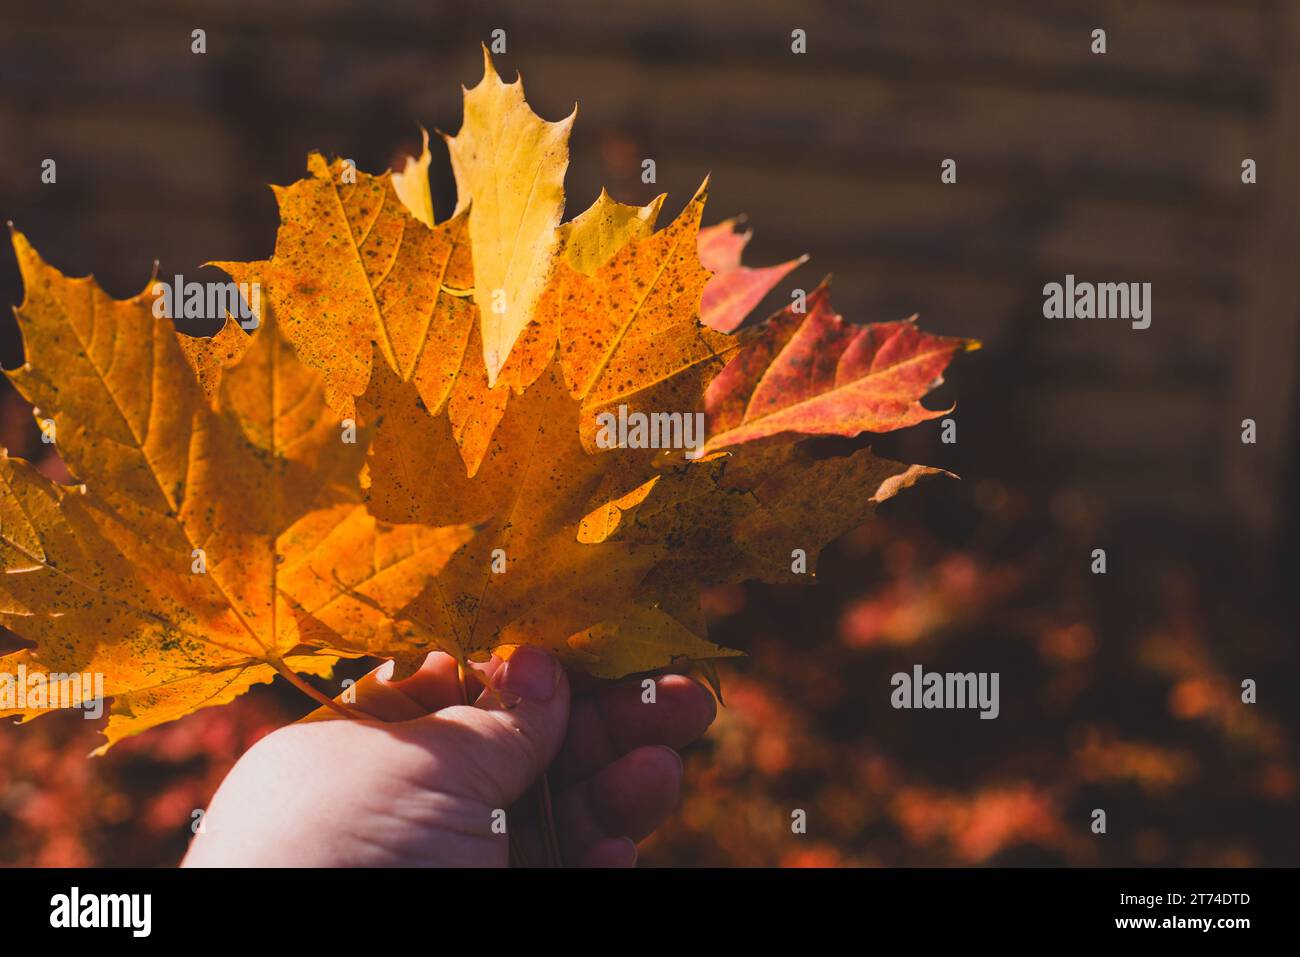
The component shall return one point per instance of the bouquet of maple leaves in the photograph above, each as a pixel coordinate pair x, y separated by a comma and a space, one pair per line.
402, 456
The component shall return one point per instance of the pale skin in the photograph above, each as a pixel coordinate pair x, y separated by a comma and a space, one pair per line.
422, 784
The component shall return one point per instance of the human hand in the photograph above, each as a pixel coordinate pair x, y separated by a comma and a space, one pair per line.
419, 785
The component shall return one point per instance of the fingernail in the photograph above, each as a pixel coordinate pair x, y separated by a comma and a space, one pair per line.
530, 673
681, 768
629, 851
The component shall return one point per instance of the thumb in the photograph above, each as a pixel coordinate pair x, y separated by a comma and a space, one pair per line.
503, 743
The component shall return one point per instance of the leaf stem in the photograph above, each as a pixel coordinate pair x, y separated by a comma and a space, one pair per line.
517, 856
464, 685
291, 676
550, 837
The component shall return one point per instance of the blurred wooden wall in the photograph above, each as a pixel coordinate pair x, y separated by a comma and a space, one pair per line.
1122, 167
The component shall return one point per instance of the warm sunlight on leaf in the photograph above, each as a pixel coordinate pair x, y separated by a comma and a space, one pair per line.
473, 435
214, 542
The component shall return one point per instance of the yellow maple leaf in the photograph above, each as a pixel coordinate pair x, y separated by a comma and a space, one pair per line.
591, 238
219, 535
510, 163
412, 184
527, 577
353, 266
630, 333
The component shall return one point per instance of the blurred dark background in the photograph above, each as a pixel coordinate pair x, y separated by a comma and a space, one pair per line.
1119, 691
